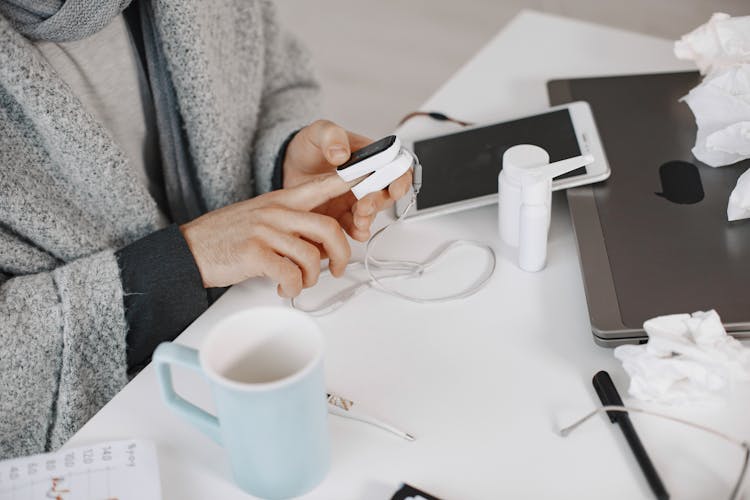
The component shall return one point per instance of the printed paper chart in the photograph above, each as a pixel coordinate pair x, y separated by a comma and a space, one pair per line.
120, 470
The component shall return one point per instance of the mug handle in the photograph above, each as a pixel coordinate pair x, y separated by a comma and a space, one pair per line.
169, 353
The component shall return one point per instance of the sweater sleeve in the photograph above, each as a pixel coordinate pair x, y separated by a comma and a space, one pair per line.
62, 334
290, 97
163, 291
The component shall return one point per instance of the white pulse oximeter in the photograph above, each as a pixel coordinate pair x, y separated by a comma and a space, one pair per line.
375, 166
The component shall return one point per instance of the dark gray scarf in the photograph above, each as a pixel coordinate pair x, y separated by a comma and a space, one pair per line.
68, 20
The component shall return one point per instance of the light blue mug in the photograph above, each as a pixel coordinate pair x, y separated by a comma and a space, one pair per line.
265, 368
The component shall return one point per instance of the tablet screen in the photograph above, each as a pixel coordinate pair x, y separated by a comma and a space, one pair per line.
466, 164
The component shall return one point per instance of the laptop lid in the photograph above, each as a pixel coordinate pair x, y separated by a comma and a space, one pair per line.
654, 239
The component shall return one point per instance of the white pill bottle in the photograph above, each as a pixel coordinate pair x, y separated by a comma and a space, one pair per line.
525, 200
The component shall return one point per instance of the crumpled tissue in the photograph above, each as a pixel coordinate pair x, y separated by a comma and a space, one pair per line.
721, 103
721, 43
688, 358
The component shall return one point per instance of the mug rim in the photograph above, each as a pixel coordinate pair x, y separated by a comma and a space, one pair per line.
303, 372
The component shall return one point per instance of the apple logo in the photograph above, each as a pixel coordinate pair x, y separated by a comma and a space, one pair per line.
680, 183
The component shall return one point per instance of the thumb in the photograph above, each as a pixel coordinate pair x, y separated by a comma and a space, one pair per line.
313, 193
331, 140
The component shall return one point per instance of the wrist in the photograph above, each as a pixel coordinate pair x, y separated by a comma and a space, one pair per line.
282, 171
193, 244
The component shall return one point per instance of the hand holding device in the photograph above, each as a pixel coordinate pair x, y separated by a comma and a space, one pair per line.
319, 149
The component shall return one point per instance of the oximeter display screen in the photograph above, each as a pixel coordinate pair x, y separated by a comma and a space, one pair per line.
369, 151
465, 165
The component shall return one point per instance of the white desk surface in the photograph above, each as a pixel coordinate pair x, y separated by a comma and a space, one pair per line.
485, 382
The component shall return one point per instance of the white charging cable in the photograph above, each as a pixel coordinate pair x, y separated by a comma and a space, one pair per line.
402, 269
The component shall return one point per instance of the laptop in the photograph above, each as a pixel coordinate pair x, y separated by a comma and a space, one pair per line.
654, 238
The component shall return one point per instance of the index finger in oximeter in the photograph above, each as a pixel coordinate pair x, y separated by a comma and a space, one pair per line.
383, 176
370, 158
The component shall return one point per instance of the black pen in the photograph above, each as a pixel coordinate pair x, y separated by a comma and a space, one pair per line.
609, 396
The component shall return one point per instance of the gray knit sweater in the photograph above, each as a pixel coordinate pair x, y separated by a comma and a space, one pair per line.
69, 199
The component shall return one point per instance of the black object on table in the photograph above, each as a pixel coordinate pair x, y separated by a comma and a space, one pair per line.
609, 396
408, 492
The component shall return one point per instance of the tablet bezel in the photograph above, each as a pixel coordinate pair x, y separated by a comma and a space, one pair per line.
588, 140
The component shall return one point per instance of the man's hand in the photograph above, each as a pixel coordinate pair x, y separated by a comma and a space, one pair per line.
274, 235
320, 148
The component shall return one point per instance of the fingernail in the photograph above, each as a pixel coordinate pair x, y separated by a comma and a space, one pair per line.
338, 154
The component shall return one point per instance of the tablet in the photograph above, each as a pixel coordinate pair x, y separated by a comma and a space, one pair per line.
460, 170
